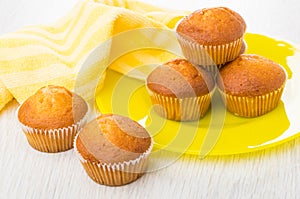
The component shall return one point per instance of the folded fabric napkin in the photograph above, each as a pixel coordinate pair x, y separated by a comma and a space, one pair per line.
54, 54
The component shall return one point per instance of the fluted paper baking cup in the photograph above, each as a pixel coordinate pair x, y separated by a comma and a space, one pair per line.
115, 174
52, 140
181, 109
210, 55
252, 106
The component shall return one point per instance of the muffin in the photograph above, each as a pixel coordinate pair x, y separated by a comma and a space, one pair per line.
51, 118
180, 91
211, 36
243, 48
251, 85
113, 149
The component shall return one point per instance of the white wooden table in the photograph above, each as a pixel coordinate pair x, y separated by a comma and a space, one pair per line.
271, 173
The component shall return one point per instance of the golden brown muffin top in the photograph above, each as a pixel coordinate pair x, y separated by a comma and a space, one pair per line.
212, 26
112, 139
52, 107
179, 78
251, 75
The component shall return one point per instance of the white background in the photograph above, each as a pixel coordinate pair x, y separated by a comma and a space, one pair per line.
272, 173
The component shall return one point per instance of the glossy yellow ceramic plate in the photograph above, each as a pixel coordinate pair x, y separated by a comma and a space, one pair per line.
219, 132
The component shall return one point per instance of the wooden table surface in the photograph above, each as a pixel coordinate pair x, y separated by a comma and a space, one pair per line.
270, 173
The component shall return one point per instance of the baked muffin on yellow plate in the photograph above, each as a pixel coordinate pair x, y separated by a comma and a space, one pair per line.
180, 91
113, 149
51, 118
212, 36
251, 85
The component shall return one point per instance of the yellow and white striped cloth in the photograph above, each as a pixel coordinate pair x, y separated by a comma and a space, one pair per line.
53, 54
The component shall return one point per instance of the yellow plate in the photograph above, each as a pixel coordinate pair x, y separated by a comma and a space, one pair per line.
218, 133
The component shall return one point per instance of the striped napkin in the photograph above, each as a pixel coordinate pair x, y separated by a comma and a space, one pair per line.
54, 54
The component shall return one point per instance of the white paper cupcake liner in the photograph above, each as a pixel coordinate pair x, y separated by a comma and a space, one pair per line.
115, 174
252, 106
181, 109
210, 55
52, 140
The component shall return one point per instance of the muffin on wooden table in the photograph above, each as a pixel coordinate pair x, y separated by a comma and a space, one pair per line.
51, 118
251, 85
212, 36
113, 149
180, 91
